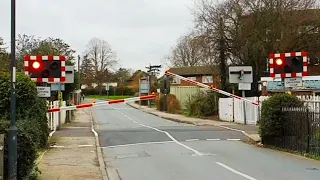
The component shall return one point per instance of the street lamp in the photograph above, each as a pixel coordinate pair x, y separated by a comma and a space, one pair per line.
13, 130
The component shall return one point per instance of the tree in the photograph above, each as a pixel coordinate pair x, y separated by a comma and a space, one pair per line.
102, 57
87, 71
186, 52
122, 75
4, 58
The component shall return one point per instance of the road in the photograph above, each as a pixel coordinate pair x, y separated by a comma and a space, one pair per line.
144, 147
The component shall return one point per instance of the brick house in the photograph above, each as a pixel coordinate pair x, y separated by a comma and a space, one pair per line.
204, 74
133, 82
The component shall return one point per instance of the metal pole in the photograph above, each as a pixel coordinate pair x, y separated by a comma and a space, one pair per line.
59, 115
165, 82
79, 78
244, 107
13, 130
149, 92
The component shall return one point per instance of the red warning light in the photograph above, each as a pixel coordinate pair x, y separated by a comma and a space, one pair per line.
36, 65
279, 62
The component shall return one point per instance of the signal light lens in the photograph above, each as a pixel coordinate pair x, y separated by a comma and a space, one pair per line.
36, 65
279, 62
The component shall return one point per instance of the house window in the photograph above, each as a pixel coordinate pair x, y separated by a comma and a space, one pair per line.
175, 80
207, 79
192, 78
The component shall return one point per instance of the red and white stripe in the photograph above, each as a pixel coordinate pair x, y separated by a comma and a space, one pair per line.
62, 79
103, 103
211, 88
284, 55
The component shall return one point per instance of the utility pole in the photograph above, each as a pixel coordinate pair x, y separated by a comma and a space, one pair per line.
152, 71
79, 79
13, 130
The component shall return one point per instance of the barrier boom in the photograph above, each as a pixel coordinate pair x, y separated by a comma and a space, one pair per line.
102, 103
212, 88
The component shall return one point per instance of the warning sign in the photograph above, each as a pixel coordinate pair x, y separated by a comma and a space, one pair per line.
43, 91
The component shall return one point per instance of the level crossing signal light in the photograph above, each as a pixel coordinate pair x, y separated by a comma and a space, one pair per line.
288, 64
45, 68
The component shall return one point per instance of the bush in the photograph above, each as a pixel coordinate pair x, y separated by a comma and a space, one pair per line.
174, 105
202, 105
272, 118
31, 121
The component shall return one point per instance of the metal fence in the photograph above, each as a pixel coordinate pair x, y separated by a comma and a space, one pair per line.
301, 132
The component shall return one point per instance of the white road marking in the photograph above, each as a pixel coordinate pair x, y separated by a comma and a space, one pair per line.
136, 144
85, 145
54, 146
233, 139
192, 140
235, 171
168, 134
213, 139
94, 132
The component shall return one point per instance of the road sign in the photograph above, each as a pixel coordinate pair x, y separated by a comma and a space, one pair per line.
144, 86
245, 86
293, 82
240, 74
55, 87
44, 91
69, 75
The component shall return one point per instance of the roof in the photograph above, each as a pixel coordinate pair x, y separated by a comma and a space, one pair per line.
195, 70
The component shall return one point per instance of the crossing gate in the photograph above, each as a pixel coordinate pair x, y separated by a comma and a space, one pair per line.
103, 103
256, 103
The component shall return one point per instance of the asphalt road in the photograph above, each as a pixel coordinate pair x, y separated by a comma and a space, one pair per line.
144, 147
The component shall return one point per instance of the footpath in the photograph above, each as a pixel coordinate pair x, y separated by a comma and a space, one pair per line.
250, 131
73, 152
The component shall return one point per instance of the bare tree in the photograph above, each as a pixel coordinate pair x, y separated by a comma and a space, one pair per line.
102, 57
186, 52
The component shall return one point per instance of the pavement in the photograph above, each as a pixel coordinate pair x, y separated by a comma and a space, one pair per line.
250, 131
72, 154
140, 146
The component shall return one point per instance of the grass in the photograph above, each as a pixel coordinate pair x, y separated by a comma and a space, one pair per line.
104, 97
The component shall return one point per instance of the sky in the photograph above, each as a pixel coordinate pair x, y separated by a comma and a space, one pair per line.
141, 32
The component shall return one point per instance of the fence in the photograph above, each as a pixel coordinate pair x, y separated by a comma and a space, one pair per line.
231, 109
184, 92
301, 131
53, 117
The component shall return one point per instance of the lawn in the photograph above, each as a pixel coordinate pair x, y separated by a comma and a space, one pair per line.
104, 97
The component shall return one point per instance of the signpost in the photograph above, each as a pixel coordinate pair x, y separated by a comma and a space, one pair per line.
293, 82
241, 75
43, 91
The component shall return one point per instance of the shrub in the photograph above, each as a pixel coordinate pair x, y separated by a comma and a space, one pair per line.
202, 104
272, 118
31, 121
174, 105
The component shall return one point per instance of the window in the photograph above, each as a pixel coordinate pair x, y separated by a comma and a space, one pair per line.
175, 80
192, 78
207, 79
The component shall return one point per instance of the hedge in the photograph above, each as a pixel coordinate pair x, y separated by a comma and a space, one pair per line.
272, 118
202, 104
174, 105
31, 121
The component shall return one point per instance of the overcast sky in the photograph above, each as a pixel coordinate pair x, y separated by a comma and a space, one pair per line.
140, 31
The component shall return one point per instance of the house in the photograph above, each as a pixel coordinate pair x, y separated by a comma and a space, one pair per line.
133, 82
204, 74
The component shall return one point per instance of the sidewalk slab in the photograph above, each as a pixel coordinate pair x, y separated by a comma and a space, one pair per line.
251, 131
73, 154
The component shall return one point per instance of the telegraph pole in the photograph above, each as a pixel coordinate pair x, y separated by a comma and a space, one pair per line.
13, 130
152, 71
